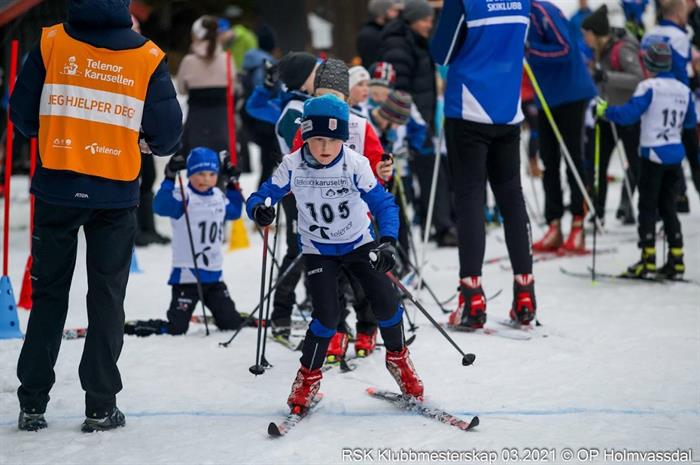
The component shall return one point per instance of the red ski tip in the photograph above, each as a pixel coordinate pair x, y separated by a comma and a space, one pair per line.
371, 390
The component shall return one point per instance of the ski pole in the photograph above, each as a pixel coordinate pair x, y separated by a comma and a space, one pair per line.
431, 203
467, 359
624, 161
404, 210
263, 360
411, 326
194, 256
596, 185
425, 285
258, 369
564, 149
251, 317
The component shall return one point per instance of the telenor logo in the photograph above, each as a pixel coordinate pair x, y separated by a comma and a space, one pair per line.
71, 67
95, 149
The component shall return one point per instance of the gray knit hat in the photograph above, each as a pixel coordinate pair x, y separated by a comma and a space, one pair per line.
333, 74
377, 8
415, 10
397, 107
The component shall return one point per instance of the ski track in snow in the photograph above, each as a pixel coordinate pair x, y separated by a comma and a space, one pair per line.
620, 368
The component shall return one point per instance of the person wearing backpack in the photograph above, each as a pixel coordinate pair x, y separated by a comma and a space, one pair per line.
617, 71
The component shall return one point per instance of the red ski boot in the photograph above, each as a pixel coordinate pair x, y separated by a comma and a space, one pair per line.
471, 308
551, 240
524, 303
365, 343
576, 242
304, 389
403, 371
337, 348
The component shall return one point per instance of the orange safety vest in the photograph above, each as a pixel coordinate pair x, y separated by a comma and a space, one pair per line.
92, 104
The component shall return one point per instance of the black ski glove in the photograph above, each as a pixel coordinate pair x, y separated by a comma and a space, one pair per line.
229, 170
263, 215
383, 258
176, 163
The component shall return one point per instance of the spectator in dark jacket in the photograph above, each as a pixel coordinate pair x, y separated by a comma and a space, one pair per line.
405, 45
87, 177
369, 39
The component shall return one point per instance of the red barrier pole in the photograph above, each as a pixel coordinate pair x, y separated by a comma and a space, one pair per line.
8, 158
230, 116
25, 294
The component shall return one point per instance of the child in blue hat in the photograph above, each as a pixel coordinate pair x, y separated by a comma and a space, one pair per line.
208, 208
335, 192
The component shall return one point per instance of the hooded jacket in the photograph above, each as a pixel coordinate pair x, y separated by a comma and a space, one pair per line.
103, 24
622, 65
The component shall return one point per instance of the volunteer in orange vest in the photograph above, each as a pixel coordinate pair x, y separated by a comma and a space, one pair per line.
90, 91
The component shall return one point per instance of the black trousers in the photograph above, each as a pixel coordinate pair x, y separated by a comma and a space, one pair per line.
475, 151
110, 240
322, 273
216, 298
630, 140
690, 144
144, 213
657, 192
423, 167
285, 297
569, 119
530, 112
351, 292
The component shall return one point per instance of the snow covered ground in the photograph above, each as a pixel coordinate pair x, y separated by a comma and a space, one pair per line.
619, 368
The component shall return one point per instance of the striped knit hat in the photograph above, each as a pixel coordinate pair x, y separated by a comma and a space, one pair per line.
397, 107
382, 73
657, 57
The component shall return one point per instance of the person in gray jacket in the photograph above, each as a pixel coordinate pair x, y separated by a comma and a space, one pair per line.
617, 71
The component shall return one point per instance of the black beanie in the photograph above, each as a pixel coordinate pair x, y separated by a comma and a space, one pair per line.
266, 38
295, 68
333, 74
597, 22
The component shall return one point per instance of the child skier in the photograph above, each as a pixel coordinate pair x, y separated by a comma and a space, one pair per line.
335, 192
665, 107
332, 77
208, 207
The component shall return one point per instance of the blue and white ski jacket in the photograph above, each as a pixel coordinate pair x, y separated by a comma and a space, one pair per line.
483, 42
207, 213
665, 107
334, 201
677, 38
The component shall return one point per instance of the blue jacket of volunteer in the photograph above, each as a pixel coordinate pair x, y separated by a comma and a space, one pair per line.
555, 58
483, 42
105, 24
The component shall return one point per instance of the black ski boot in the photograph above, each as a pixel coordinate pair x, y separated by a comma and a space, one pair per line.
524, 303
111, 420
143, 328
471, 307
31, 421
674, 266
281, 329
645, 267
